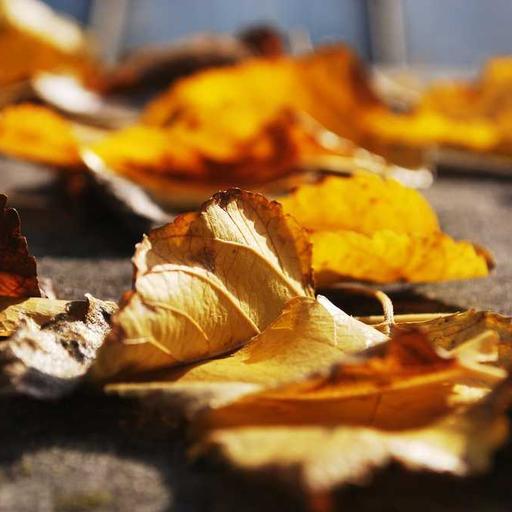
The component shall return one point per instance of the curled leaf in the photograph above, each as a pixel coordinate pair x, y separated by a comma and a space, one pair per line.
415, 404
18, 273
48, 360
373, 229
307, 336
207, 283
41, 310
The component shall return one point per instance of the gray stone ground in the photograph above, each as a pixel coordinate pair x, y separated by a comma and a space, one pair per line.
94, 453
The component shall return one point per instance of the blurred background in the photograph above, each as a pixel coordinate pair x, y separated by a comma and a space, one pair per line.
452, 33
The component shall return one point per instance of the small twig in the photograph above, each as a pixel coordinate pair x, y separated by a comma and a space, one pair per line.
385, 301
401, 319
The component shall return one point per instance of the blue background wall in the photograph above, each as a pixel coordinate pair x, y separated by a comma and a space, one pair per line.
457, 32
444, 32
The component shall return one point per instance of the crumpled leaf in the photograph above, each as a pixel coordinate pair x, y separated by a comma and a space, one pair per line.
415, 404
18, 272
41, 310
38, 134
207, 283
368, 228
48, 360
308, 335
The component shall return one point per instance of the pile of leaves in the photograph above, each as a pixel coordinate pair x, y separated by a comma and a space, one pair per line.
223, 328
222, 127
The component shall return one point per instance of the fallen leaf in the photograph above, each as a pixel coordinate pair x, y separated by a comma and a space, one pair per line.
227, 127
387, 256
18, 273
207, 283
34, 37
49, 360
363, 204
41, 310
415, 404
36, 133
375, 229
308, 335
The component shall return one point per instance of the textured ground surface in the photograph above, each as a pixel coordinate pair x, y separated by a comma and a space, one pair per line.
98, 454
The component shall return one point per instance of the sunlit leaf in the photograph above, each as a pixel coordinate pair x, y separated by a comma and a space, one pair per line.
207, 283
33, 37
414, 404
306, 337
372, 229
38, 134
18, 272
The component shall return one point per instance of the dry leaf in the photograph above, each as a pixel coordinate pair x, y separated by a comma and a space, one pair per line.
308, 335
227, 126
362, 203
387, 256
41, 310
272, 149
48, 360
33, 37
207, 283
375, 229
18, 273
423, 407
38, 134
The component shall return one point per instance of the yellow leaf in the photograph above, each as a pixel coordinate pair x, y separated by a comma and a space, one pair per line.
33, 38
362, 203
402, 405
387, 256
306, 337
374, 229
207, 283
37, 133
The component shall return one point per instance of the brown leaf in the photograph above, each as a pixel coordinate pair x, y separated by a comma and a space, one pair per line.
48, 360
18, 274
41, 310
207, 283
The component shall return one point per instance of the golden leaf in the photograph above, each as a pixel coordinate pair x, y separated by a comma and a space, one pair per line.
34, 38
18, 272
37, 133
227, 126
362, 203
307, 336
415, 404
387, 256
207, 283
375, 229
